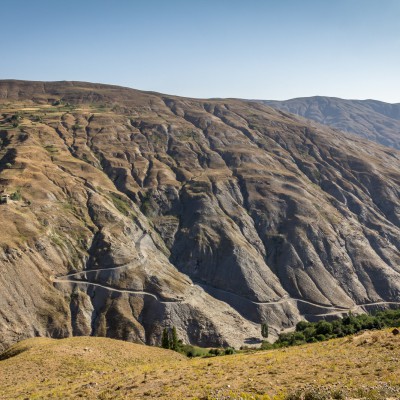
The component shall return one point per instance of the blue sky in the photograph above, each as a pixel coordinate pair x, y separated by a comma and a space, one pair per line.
265, 49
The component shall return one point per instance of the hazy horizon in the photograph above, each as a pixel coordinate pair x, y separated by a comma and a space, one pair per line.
210, 49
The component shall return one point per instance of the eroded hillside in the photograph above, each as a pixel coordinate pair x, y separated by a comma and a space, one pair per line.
134, 211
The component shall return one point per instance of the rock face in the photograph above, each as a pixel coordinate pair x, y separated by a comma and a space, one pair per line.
136, 211
370, 119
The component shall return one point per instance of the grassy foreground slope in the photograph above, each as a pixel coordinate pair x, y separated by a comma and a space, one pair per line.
362, 366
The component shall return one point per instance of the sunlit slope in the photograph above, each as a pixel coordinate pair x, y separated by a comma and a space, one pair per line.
98, 368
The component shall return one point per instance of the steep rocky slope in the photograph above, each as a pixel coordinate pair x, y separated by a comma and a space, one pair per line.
208, 215
370, 119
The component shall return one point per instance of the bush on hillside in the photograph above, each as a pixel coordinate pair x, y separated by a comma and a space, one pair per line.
311, 332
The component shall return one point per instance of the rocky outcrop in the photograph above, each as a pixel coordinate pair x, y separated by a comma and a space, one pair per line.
139, 211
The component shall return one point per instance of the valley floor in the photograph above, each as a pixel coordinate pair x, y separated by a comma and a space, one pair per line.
362, 366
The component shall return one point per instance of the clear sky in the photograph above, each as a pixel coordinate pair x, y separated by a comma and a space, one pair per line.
264, 49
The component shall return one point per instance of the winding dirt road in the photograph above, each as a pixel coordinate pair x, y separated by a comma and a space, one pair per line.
112, 289
332, 309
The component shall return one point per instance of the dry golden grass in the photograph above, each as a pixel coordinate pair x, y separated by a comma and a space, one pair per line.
100, 368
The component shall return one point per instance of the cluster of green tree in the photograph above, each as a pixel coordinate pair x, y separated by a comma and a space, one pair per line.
310, 332
169, 340
221, 352
196, 351
264, 330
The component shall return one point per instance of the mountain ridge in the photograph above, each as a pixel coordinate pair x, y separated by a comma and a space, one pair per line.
219, 208
374, 120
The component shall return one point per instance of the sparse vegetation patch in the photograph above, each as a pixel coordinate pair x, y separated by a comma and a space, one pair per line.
311, 332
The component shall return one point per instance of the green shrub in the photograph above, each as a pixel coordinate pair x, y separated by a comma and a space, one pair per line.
215, 352
16, 196
299, 337
320, 338
309, 332
323, 328
302, 325
193, 351
267, 345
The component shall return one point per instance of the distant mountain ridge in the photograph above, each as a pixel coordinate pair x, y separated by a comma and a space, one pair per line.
370, 119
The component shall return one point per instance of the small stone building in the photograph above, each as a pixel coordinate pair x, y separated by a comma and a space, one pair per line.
4, 197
